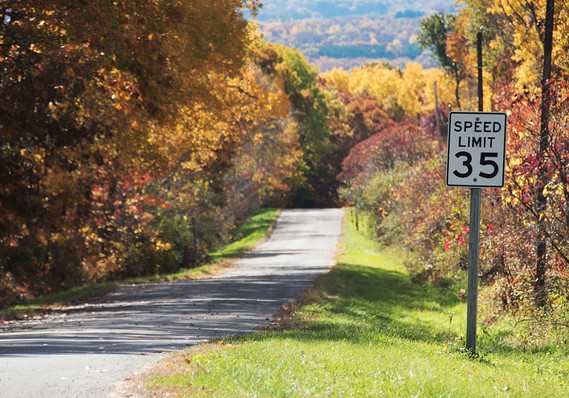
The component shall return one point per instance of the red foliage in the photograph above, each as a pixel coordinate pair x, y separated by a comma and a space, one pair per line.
397, 142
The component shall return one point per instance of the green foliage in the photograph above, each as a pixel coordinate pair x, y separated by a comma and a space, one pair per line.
433, 35
310, 110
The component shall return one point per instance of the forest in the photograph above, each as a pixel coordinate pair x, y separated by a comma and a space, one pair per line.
135, 136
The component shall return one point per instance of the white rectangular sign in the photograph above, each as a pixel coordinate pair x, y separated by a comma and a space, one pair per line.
476, 149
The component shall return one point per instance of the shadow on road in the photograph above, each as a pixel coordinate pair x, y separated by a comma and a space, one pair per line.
159, 317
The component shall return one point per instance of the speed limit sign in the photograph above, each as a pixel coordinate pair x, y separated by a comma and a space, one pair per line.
476, 149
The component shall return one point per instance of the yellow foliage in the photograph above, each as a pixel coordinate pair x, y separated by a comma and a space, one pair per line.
527, 30
405, 93
339, 77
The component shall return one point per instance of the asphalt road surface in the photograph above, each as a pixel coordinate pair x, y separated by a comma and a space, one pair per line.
85, 350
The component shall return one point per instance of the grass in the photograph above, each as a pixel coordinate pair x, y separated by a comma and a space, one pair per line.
248, 235
256, 228
364, 330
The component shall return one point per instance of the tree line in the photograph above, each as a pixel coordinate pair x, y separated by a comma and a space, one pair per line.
349, 38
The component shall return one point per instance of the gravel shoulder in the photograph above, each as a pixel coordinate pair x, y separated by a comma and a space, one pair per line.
85, 350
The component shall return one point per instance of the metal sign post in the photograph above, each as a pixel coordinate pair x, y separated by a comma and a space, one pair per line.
476, 159
474, 231
473, 250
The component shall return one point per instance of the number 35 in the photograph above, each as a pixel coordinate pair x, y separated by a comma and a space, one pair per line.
484, 161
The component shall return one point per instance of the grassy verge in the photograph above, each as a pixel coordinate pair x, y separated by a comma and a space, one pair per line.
246, 238
365, 330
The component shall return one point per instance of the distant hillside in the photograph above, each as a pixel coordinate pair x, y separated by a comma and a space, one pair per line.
347, 33
289, 10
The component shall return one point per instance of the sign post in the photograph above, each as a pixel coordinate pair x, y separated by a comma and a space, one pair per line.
473, 254
476, 159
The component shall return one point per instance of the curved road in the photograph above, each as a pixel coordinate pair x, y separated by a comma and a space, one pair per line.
84, 351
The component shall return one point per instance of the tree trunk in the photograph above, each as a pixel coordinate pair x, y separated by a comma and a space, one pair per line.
544, 140
457, 78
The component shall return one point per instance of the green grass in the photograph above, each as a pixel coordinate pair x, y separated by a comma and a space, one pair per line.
248, 235
364, 331
256, 228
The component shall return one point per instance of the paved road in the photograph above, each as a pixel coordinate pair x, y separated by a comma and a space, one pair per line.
83, 351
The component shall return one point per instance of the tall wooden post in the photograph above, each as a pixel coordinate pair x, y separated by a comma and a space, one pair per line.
544, 142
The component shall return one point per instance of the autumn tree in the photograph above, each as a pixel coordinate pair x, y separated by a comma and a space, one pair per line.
514, 32
433, 35
498, 63
540, 53
375, 169
525, 64
353, 117
98, 103
310, 110
265, 165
